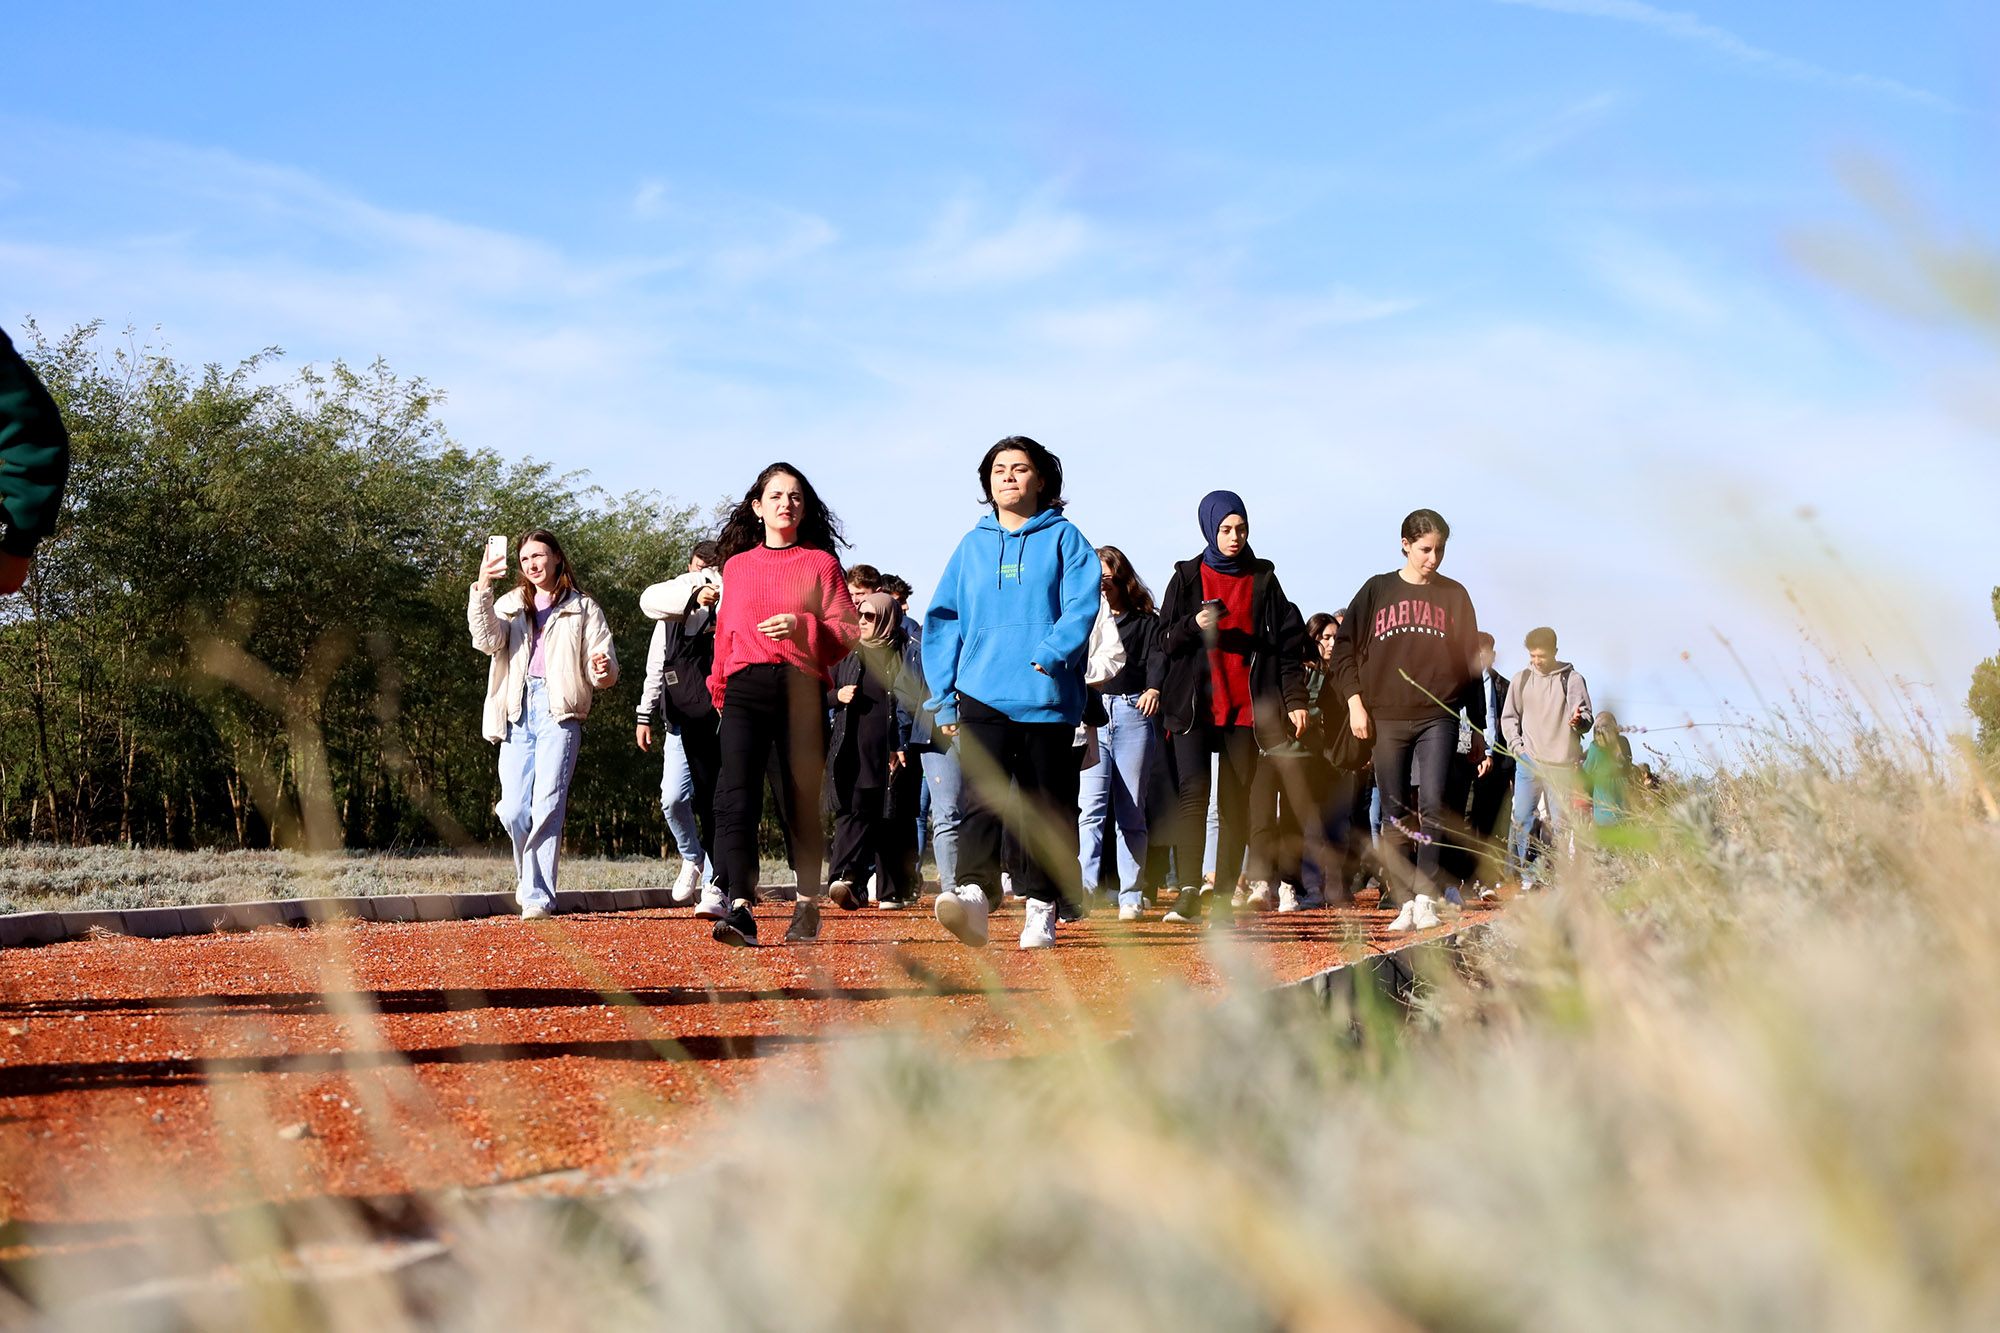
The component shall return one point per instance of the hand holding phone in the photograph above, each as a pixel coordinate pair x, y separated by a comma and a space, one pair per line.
494, 564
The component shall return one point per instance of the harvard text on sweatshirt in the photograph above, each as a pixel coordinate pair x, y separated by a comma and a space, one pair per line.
1407, 649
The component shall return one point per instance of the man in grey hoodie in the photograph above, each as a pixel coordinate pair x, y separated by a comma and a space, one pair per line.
1545, 718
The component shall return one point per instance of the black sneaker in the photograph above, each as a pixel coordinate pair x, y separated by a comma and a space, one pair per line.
738, 929
1221, 911
1186, 910
1068, 909
844, 897
805, 922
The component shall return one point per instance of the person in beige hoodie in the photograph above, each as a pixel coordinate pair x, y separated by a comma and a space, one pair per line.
1546, 715
551, 649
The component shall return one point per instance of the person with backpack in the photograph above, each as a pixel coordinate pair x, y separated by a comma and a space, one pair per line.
1546, 715
1234, 686
784, 620
551, 651
676, 689
1004, 645
1405, 661
874, 778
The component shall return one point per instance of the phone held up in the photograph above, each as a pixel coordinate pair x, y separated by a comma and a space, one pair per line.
496, 549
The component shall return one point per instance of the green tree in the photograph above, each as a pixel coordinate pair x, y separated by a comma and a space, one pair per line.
324, 529
1984, 699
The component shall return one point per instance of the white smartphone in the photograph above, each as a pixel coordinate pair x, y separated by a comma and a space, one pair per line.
496, 549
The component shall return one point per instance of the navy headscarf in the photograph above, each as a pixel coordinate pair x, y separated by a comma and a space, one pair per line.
1216, 506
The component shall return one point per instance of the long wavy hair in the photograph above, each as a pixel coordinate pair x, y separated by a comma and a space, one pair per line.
744, 530
1127, 591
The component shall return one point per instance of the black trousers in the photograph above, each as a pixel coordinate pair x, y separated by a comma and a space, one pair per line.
1237, 748
875, 831
1285, 810
1031, 763
1491, 816
701, 742
1426, 745
770, 713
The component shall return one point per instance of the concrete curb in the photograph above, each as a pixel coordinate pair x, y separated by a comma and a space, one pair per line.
1393, 972
26, 928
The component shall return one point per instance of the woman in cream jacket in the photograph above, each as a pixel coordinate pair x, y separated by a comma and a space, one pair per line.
551, 649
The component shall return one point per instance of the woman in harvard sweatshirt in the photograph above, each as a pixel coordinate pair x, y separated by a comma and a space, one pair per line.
1004, 644
1235, 683
785, 618
1404, 659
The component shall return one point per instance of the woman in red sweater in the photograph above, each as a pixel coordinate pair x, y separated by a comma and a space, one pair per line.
785, 618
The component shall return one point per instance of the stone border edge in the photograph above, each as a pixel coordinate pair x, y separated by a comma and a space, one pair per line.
30, 928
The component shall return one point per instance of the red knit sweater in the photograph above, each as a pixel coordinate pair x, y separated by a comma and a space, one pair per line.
762, 582
1229, 670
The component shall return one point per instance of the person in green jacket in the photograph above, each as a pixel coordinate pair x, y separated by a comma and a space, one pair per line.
34, 465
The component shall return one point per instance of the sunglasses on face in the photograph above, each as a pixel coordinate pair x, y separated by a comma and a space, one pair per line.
869, 615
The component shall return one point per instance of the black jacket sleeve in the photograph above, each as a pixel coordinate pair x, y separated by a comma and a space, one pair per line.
34, 455
1471, 698
1178, 631
1291, 649
1155, 640
1345, 665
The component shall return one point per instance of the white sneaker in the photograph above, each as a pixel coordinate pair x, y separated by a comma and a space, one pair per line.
1259, 897
534, 913
1040, 932
1486, 892
713, 906
1239, 896
963, 913
688, 886
1128, 911
1425, 917
1006, 886
1288, 898
1405, 919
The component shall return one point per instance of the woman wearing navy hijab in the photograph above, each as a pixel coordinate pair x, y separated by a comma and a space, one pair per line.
1235, 684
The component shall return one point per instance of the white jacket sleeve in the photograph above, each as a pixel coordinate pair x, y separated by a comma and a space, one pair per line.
669, 600
1105, 657
656, 673
597, 639
489, 630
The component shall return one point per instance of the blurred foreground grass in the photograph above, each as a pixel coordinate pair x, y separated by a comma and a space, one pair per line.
1748, 1079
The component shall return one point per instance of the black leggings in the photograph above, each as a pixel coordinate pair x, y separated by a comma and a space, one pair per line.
1238, 748
1427, 745
875, 831
1037, 759
777, 713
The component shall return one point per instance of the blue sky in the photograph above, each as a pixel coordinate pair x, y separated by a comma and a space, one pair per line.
1525, 262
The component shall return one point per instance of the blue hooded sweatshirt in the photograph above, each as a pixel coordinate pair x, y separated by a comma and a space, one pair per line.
1009, 602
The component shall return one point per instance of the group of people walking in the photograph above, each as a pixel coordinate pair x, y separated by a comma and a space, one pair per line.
1045, 723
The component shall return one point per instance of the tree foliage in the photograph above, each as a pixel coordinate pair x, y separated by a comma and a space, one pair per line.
1984, 699
243, 564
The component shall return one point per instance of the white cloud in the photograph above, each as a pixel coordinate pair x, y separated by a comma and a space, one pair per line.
1692, 28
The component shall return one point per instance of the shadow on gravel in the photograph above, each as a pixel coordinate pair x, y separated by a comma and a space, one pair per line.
462, 999
39, 1080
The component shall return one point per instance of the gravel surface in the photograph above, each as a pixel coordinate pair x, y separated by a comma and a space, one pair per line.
148, 1077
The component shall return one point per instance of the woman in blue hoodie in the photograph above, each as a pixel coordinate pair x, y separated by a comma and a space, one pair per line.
1004, 643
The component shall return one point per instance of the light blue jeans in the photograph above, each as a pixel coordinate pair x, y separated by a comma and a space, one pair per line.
536, 761
943, 782
1128, 747
677, 794
1531, 781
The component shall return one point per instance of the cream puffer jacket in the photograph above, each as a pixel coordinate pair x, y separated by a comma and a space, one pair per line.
576, 629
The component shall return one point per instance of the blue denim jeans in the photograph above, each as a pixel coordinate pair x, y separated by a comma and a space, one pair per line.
943, 784
536, 761
677, 794
1532, 781
1128, 747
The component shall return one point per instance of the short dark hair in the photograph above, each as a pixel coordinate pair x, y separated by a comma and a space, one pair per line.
897, 588
1540, 637
1046, 463
1421, 521
864, 576
708, 552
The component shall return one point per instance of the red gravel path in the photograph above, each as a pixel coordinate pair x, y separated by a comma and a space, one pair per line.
143, 1077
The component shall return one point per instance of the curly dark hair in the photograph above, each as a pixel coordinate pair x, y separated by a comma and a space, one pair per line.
818, 529
1127, 591
1046, 463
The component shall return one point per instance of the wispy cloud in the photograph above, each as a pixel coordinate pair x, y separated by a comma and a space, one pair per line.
1689, 27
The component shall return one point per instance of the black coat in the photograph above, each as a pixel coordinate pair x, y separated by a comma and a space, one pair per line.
1275, 647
